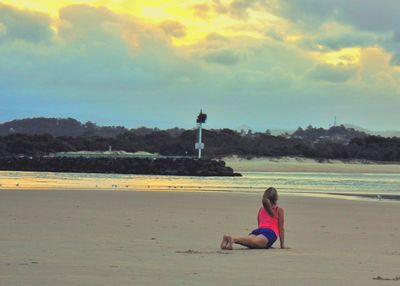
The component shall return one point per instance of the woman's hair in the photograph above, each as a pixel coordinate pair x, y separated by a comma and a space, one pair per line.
269, 199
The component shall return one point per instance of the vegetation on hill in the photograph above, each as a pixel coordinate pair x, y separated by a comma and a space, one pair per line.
337, 134
70, 127
335, 143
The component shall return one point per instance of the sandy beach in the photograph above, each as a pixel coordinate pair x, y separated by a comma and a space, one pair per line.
172, 238
296, 164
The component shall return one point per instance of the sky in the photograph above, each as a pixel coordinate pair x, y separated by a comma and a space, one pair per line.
265, 64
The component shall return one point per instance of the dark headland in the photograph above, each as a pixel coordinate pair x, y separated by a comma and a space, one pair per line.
25, 143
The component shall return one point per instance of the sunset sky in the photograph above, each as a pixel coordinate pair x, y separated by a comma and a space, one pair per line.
266, 64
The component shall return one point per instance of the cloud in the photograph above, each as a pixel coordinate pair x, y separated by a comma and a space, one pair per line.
173, 28
86, 16
113, 64
219, 7
323, 25
201, 10
111, 67
371, 15
330, 40
392, 45
367, 15
215, 37
357, 23
334, 74
3, 29
275, 34
222, 57
396, 36
86, 23
346, 40
238, 9
93, 55
24, 25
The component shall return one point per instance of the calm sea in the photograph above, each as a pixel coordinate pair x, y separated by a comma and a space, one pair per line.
251, 182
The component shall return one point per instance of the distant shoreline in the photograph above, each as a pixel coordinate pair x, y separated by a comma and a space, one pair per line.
299, 164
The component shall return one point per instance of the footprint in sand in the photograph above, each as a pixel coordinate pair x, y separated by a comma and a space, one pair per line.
191, 251
397, 278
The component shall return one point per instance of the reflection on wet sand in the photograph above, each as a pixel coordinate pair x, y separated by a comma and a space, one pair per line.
375, 186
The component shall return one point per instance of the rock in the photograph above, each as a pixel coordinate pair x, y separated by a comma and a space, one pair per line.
151, 166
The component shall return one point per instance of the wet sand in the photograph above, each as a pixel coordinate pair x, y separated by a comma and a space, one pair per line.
172, 238
296, 164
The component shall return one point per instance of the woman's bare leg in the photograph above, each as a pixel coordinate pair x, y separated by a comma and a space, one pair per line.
251, 241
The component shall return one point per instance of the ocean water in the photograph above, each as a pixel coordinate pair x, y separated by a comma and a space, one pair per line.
250, 182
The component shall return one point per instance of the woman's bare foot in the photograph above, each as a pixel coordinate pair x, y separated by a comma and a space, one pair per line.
224, 242
230, 243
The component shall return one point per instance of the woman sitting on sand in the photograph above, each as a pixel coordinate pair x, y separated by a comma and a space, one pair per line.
270, 226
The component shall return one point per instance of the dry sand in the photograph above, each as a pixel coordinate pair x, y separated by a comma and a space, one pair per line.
159, 238
296, 164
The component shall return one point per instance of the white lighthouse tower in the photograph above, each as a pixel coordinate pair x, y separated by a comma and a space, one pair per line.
201, 118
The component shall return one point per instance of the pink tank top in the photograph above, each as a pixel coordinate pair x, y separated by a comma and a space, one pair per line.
267, 221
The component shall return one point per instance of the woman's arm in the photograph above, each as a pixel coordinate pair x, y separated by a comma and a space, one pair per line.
281, 223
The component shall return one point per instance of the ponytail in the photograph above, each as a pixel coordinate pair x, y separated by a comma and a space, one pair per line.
267, 206
269, 200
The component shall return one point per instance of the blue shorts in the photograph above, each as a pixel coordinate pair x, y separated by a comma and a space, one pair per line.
268, 233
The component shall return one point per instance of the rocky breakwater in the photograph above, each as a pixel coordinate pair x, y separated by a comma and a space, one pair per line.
148, 166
